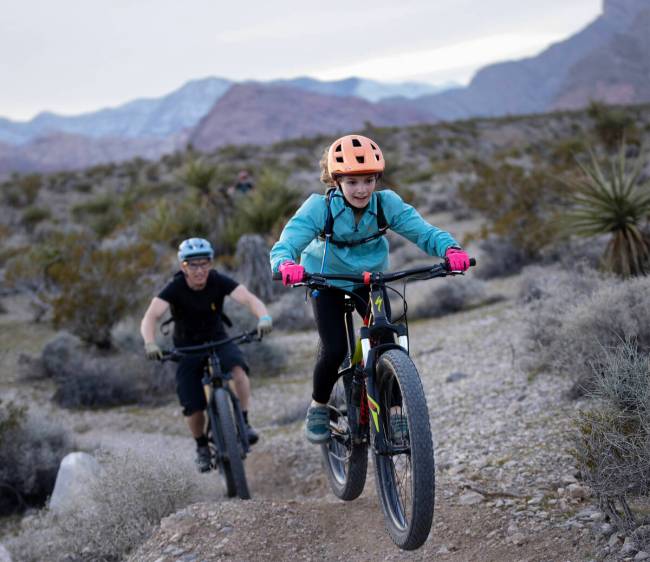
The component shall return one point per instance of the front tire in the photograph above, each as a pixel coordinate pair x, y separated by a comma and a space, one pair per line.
345, 462
234, 462
405, 477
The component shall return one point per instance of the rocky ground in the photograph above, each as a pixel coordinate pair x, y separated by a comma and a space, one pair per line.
506, 486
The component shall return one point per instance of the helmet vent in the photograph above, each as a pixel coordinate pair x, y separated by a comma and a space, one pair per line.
373, 146
360, 159
377, 157
339, 159
338, 148
355, 142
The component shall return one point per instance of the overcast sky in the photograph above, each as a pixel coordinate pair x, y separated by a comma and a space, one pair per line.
71, 56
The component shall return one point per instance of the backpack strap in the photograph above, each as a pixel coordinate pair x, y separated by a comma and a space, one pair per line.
328, 230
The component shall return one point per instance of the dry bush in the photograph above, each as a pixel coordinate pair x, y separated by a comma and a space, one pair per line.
500, 257
135, 491
613, 433
572, 316
427, 299
31, 449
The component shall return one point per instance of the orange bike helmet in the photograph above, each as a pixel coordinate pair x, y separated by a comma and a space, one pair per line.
354, 154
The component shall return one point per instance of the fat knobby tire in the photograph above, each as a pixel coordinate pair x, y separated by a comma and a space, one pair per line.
231, 441
412, 534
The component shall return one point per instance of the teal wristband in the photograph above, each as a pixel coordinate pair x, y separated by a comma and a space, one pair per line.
266, 317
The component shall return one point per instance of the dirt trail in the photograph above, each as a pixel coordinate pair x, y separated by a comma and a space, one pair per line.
496, 433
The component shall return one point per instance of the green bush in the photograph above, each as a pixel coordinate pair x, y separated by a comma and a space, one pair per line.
612, 125
33, 215
170, 222
263, 210
519, 206
89, 289
22, 191
102, 214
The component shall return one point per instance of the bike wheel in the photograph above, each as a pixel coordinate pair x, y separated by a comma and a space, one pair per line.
224, 468
234, 463
405, 475
345, 462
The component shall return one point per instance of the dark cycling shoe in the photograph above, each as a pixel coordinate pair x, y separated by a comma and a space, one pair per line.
317, 424
203, 459
253, 436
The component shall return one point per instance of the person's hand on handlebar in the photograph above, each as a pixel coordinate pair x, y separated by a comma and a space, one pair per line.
264, 325
291, 272
152, 351
457, 259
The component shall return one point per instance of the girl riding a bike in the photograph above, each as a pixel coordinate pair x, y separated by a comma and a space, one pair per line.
342, 232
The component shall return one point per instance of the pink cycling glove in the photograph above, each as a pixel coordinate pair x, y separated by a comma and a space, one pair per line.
291, 272
457, 258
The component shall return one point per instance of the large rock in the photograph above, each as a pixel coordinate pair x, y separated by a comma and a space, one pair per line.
76, 473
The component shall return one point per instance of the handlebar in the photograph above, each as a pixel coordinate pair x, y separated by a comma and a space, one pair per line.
437, 270
207, 348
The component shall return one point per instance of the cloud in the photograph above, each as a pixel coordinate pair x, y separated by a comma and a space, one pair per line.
464, 55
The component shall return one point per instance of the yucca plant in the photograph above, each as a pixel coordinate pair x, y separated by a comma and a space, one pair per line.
199, 175
613, 202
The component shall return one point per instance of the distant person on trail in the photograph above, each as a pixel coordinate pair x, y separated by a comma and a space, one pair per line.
342, 233
244, 182
195, 296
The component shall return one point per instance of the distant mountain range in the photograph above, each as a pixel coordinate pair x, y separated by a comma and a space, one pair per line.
183, 108
609, 60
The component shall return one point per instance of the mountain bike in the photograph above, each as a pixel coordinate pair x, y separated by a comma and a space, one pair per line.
379, 403
226, 428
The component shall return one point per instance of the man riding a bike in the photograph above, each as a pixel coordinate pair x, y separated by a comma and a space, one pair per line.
342, 232
195, 296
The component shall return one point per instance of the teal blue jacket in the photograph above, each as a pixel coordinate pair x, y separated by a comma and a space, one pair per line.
300, 235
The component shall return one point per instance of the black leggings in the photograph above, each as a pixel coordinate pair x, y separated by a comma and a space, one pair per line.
329, 312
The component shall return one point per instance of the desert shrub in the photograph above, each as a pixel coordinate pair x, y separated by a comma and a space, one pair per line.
88, 288
102, 214
572, 317
500, 257
135, 491
612, 124
33, 215
264, 209
199, 175
172, 222
85, 379
265, 358
431, 299
518, 206
22, 191
613, 433
31, 449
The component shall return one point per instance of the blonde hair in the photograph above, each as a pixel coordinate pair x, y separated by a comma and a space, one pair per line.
325, 175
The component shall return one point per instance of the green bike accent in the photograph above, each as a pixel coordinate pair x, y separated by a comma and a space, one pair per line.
374, 410
358, 353
379, 301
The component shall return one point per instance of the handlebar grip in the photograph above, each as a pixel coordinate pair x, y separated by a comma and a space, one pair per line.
277, 276
472, 262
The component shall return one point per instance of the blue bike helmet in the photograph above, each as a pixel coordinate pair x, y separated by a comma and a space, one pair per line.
195, 248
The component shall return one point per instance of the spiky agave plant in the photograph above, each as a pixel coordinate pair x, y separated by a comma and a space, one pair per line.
616, 203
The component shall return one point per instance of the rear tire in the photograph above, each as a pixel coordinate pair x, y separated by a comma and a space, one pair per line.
345, 463
234, 464
406, 479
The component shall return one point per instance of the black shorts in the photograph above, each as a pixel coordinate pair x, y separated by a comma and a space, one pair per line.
190, 372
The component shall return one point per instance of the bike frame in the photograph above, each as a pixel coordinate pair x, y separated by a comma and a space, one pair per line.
214, 378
